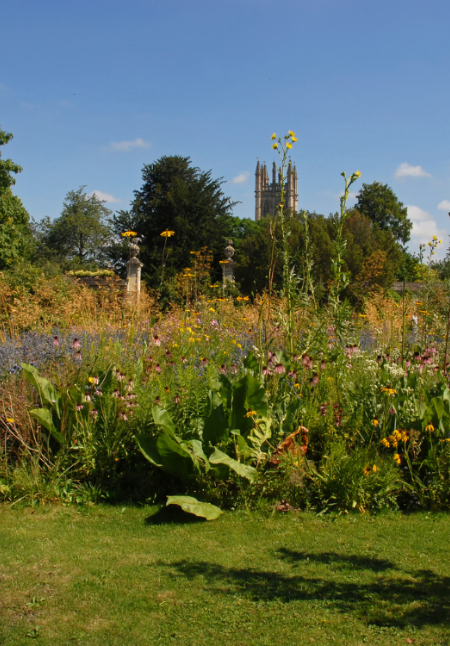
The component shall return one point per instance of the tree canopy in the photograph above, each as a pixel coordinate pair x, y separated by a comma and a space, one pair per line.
178, 197
379, 203
15, 232
82, 233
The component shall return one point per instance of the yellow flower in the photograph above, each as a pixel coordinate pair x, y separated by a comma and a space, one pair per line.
385, 442
389, 391
367, 470
274, 146
191, 340
289, 145
429, 428
374, 468
292, 133
234, 342
10, 420
397, 435
167, 233
358, 174
273, 136
251, 413
397, 458
375, 422
174, 345
440, 241
294, 139
91, 380
434, 238
211, 309
127, 234
296, 385
239, 345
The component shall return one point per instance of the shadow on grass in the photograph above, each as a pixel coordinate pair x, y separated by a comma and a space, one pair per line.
172, 515
391, 596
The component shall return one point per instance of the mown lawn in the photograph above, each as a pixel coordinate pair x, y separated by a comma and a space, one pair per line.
125, 576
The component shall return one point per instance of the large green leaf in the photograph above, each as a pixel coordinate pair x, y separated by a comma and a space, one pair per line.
47, 392
194, 506
248, 392
197, 448
166, 453
162, 418
44, 417
245, 471
215, 429
251, 363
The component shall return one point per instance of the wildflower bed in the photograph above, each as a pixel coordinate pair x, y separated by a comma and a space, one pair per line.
107, 576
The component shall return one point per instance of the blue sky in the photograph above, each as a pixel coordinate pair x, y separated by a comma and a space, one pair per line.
94, 89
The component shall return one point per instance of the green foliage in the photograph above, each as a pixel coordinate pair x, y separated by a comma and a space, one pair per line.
379, 203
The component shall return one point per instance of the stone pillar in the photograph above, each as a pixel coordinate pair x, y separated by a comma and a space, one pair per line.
134, 273
228, 264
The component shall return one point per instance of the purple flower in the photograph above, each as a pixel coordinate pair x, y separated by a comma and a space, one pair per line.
265, 371
94, 413
80, 407
280, 369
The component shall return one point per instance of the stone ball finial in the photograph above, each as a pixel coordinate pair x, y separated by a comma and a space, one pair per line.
134, 250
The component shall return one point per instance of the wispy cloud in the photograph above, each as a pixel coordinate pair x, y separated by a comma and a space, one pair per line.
105, 197
405, 170
241, 179
424, 227
444, 205
65, 104
127, 145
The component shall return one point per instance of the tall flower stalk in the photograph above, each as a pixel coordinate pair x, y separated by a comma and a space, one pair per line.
165, 234
283, 145
340, 279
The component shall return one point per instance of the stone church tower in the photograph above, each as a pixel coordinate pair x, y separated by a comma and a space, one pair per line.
268, 194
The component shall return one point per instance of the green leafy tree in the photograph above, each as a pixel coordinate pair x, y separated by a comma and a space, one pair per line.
81, 235
15, 231
379, 203
178, 197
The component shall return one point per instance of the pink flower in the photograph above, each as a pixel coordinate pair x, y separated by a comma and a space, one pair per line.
158, 368
77, 356
323, 365
265, 371
156, 340
116, 393
80, 407
280, 369
130, 385
76, 344
176, 399
94, 413
183, 360
123, 416
223, 369
56, 341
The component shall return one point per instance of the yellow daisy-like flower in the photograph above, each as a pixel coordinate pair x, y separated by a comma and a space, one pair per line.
288, 145
274, 146
367, 470
375, 422
292, 134
211, 309
273, 136
358, 174
397, 458
385, 442
389, 391
167, 234
251, 413
434, 237
91, 380
294, 139
296, 385
128, 234
10, 420
374, 468
429, 428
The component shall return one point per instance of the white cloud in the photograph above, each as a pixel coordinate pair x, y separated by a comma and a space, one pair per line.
405, 170
241, 179
128, 145
424, 228
105, 197
444, 205
65, 104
